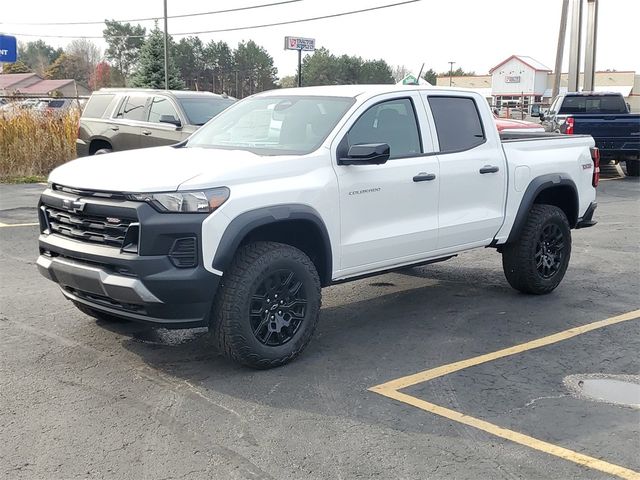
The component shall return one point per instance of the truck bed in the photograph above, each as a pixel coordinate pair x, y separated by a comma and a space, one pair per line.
521, 137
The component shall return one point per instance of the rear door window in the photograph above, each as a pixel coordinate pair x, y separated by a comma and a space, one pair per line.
97, 105
458, 123
133, 108
161, 106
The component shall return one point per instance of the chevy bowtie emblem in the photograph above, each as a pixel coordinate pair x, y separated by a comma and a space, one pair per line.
74, 206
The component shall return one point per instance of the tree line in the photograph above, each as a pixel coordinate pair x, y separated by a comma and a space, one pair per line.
135, 58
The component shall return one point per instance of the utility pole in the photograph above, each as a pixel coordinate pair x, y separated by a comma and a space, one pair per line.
300, 66
166, 49
590, 53
573, 83
451, 72
562, 34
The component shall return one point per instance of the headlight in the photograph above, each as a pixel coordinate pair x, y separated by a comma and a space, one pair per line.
203, 201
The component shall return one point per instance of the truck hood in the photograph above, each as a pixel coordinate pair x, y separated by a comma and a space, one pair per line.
159, 169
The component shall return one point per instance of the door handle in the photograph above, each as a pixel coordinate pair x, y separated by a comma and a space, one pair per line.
115, 128
424, 177
489, 169
146, 132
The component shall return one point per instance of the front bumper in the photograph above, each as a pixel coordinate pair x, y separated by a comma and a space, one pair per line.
82, 148
144, 285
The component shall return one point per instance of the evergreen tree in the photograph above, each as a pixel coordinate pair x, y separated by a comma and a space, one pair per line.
430, 76
150, 72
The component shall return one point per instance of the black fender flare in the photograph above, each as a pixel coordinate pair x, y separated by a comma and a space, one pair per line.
244, 223
535, 187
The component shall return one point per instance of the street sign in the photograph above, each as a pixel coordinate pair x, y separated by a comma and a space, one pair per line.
8, 49
299, 43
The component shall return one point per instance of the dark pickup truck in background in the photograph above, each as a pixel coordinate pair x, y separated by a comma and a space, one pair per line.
604, 116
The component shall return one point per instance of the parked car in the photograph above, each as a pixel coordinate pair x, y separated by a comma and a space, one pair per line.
508, 125
14, 106
605, 116
288, 191
56, 105
117, 119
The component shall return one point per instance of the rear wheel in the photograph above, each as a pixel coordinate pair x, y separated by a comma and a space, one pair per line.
633, 168
268, 305
537, 261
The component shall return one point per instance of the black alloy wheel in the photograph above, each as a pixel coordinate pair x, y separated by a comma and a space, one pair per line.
268, 305
538, 259
278, 308
549, 251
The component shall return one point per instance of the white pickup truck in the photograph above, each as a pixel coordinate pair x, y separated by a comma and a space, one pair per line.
239, 227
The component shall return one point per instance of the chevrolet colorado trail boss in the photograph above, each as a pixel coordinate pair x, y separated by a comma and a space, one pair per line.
239, 227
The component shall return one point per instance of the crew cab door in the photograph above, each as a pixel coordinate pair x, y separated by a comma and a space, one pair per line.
156, 133
388, 212
472, 171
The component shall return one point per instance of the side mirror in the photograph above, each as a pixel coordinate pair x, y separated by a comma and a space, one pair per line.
367, 154
542, 117
170, 119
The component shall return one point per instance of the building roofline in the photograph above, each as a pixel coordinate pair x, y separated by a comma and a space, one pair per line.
520, 59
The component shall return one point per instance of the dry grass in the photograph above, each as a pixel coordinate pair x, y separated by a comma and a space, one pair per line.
34, 143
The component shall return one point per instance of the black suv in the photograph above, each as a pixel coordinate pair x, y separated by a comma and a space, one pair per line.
118, 119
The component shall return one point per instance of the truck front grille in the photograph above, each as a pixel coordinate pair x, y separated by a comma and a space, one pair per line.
103, 230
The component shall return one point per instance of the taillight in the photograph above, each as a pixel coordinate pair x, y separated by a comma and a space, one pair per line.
569, 122
595, 156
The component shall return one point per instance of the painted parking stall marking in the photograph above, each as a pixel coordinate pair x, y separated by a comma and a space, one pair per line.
392, 389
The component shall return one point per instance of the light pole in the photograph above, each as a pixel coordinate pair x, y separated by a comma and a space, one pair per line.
450, 72
166, 49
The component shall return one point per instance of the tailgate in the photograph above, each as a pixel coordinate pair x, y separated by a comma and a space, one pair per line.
611, 132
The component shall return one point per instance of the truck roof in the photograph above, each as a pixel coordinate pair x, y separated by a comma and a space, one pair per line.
175, 93
357, 90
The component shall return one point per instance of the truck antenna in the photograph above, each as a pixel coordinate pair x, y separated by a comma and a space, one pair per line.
419, 75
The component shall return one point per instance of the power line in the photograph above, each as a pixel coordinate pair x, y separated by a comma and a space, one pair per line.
198, 14
234, 29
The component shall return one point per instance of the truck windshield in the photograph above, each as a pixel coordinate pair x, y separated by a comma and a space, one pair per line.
274, 125
200, 110
593, 104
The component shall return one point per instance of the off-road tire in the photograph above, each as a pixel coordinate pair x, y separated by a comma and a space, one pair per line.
518, 258
633, 168
98, 315
231, 319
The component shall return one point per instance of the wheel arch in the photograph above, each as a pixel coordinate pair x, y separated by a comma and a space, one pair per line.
551, 189
298, 225
98, 143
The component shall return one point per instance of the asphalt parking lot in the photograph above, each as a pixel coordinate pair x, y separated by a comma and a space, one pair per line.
85, 399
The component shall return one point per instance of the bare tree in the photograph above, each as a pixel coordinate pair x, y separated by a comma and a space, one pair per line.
88, 55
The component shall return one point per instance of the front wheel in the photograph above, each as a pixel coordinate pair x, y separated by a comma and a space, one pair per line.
537, 261
268, 305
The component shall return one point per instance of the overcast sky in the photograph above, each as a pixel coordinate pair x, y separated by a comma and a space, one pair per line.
475, 34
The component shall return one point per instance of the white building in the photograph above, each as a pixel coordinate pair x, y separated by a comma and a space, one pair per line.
523, 80
518, 79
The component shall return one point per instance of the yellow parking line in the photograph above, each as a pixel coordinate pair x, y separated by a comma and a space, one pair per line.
3, 225
391, 390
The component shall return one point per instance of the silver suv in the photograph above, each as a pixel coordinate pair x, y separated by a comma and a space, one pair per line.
118, 119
